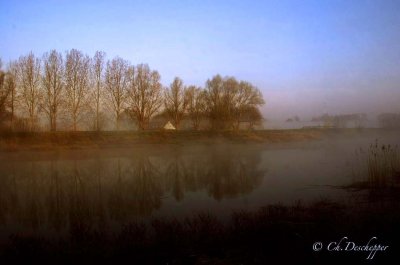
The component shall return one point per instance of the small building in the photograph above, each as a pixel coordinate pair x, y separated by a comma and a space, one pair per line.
169, 126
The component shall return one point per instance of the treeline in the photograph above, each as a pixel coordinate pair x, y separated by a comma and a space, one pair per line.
389, 120
80, 92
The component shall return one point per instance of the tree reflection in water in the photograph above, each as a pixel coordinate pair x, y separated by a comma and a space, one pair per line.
55, 194
222, 173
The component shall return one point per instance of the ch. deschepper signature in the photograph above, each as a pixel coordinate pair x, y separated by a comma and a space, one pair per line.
344, 244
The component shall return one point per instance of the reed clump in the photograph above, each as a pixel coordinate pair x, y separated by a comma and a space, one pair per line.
380, 163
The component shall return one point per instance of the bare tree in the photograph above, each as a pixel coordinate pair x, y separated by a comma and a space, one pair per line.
228, 108
116, 82
196, 105
53, 85
228, 98
4, 93
252, 116
83, 83
29, 81
246, 101
8, 97
11, 83
175, 101
97, 71
214, 98
144, 94
77, 68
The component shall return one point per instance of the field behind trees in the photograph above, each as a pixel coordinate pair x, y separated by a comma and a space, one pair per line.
76, 92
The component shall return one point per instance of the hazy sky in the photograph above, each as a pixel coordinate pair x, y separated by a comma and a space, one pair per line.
307, 57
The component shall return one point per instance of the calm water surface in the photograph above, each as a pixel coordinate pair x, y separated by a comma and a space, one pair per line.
47, 191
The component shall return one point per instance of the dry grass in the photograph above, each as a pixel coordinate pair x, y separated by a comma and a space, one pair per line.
76, 140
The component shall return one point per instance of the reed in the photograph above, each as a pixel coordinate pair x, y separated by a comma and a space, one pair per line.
380, 164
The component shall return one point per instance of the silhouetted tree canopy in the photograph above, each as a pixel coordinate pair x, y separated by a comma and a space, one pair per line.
76, 91
228, 99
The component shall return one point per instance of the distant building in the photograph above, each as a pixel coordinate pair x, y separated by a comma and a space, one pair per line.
293, 119
356, 120
169, 126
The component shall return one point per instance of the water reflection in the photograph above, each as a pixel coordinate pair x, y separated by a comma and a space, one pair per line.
99, 191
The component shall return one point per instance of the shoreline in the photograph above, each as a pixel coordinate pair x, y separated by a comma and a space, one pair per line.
48, 141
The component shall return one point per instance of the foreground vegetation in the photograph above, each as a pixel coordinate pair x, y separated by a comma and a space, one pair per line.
274, 233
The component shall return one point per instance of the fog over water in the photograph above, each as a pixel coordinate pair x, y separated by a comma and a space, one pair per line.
369, 98
45, 191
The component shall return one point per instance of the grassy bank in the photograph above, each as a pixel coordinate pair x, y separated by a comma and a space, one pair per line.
74, 140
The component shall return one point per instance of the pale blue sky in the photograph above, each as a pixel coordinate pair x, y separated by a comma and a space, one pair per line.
323, 50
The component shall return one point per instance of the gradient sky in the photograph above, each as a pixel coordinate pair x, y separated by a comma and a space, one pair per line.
307, 57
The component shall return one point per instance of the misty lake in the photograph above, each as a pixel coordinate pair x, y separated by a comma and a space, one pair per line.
46, 191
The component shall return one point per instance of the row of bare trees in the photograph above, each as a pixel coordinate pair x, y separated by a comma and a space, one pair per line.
225, 102
81, 90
